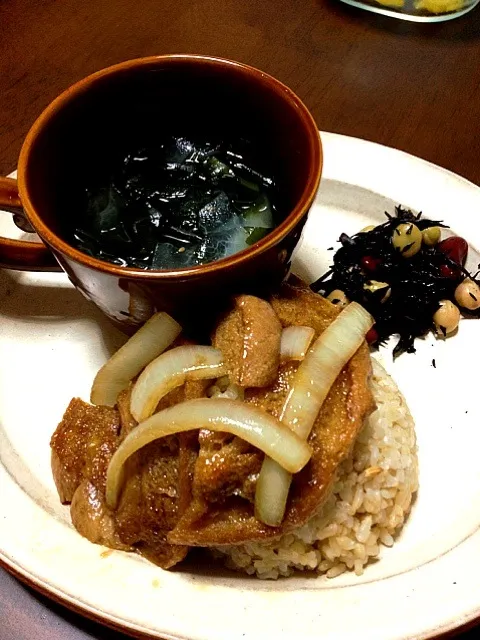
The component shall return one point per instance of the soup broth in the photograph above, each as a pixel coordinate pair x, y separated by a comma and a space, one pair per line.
178, 203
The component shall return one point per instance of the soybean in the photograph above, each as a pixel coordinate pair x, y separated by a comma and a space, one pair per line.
338, 297
446, 318
407, 239
431, 236
467, 295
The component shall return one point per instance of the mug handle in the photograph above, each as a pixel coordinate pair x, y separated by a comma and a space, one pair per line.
18, 254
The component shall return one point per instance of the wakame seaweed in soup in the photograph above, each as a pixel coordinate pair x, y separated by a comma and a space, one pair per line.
177, 204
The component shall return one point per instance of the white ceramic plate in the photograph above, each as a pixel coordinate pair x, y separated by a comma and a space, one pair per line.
52, 342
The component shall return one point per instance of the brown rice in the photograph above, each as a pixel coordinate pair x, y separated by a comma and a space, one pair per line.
366, 509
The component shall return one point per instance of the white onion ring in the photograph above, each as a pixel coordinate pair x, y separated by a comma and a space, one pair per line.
147, 343
311, 385
172, 369
295, 342
245, 421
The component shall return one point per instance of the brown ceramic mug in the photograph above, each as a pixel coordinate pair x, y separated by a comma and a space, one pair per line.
80, 131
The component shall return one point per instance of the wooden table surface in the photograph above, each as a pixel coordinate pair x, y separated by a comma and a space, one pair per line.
411, 86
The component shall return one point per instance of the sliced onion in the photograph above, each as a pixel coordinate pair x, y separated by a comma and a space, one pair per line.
322, 365
311, 385
170, 370
295, 342
245, 421
147, 343
271, 493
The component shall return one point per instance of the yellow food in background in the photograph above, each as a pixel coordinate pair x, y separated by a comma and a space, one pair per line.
440, 6
391, 3
432, 6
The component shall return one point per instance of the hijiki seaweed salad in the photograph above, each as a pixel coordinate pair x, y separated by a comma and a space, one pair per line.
408, 277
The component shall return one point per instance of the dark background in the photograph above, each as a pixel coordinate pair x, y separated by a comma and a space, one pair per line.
411, 86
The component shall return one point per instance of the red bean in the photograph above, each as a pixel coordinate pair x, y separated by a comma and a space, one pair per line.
455, 248
372, 335
369, 263
449, 272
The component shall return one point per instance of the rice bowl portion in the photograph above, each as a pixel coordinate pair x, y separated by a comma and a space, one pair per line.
369, 503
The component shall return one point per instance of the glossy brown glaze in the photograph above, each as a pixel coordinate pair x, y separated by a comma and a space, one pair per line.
89, 122
16, 254
249, 337
217, 515
26, 256
9, 196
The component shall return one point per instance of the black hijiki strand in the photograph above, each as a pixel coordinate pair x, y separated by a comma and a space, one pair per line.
417, 284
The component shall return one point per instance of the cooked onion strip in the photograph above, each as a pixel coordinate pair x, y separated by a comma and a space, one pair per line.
322, 366
311, 385
170, 370
271, 493
295, 342
147, 343
245, 421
